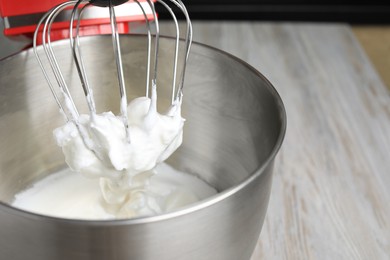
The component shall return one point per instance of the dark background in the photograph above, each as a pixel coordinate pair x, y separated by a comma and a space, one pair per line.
356, 12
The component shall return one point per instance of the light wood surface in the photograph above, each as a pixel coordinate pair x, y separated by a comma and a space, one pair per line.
331, 191
376, 43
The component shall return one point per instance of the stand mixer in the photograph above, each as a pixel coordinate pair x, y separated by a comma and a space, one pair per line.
235, 124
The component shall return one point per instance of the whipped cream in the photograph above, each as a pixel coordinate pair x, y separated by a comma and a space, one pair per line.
121, 151
153, 138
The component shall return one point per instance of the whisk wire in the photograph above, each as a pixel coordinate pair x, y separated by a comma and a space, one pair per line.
119, 66
41, 64
76, 52
176, 53
148, 47
156, 42
70, 105
188, 43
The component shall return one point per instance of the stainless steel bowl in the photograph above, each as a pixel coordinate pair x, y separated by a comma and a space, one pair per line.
235, 126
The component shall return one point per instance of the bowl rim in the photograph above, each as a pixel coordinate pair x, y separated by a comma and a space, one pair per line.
202, 204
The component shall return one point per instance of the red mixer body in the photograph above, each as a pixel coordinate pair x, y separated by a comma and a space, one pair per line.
21, 17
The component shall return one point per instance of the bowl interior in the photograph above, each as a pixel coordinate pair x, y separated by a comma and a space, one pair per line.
234, 117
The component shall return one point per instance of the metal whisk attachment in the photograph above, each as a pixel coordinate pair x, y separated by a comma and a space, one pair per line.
52, 68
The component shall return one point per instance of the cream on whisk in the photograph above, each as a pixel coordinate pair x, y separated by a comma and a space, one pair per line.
122, 162
153, 138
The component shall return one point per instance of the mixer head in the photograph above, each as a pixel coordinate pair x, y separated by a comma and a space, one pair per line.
63, 96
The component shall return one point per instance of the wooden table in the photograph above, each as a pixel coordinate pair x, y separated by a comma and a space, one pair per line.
331, 191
